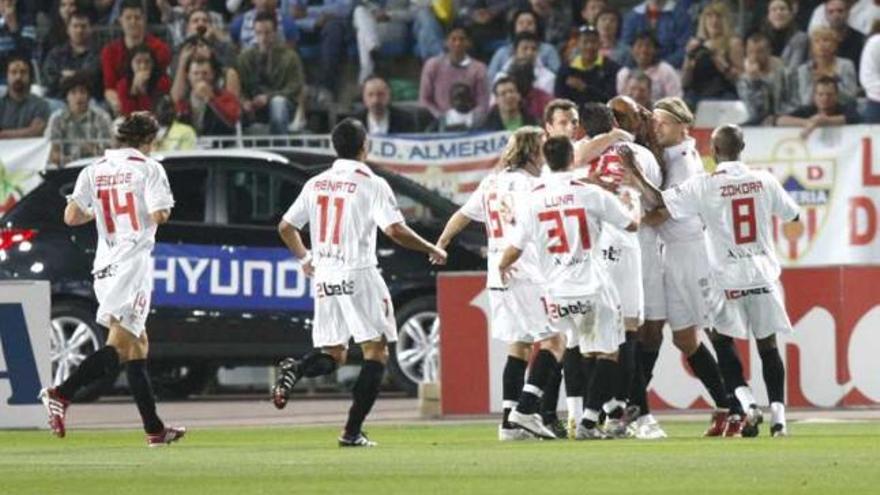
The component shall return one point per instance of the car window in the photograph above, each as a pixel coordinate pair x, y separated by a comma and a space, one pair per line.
188, 185
255, 197
412, 209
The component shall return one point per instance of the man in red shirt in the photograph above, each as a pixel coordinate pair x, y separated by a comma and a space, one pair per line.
132, 19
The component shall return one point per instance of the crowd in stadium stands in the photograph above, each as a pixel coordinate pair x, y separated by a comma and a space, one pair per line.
219, 67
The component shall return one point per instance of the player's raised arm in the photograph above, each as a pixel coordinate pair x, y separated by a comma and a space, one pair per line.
587, 150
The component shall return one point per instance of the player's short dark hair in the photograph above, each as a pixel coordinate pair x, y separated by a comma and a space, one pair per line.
525, 36
137, 129
266, 17
557, 104
348, 138
558, 152
596, 118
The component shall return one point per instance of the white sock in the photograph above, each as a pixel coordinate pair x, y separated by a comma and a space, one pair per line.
612, 404
777, 412
575, 407
531, 389
509, 404
745, 397
591, 415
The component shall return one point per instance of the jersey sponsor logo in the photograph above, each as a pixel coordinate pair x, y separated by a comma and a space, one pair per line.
557, 311
810, 182
223, 277
344, 288
743, 189
612, 254
734, 294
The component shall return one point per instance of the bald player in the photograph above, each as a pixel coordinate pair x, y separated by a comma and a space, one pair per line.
737, 205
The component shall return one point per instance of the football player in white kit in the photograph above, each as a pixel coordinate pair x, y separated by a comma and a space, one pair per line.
343, 206
685, 265
563, 219
516, 314
128, 195
737, 205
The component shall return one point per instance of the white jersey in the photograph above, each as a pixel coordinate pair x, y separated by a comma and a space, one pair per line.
646, 160
682, 163
737, 205
122, 189
563, 219
494, 203
608, 165
343, 206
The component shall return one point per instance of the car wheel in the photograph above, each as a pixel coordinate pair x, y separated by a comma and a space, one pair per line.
415, 358
74, 336
179, 382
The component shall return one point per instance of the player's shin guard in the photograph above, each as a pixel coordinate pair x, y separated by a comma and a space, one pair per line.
105, 361
142, 391
599, 389
731, 370
366, 389
543, 367
551, 394
774, 375
573, 369
704, 366
513, 380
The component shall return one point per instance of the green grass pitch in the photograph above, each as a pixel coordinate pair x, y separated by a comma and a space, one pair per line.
445, 458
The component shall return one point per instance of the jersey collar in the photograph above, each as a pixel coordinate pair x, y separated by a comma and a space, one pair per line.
682, 148
346, 165
732, 168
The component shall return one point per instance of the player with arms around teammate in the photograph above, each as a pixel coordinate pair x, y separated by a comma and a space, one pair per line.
343, 206
516, 314
128, 196
737, 205
563, 219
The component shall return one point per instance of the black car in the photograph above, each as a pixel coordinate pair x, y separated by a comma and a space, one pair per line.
226, 291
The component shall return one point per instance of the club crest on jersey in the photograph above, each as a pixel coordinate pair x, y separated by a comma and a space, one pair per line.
810, 182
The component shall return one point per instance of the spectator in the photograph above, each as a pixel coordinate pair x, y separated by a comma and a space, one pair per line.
672, 28
586, 17
591, 10
664, 79
115, 54
242, 27
714, 58
324, 23
427, 30
485, 20
556, 16
142, 84
610, 43
869, 74
824, 62
589, 76
786, 40
22, 115
177, 18
79, 130
379, 116
507, 114
850, 41
762, 86
201, 42
638, 87
440, 72
534, 98
271, 77
524, 21
76, 55
377, 23
861, 16
59, 19
203, 104
525, 48
173, 135
17, 33
825, 110
461, 116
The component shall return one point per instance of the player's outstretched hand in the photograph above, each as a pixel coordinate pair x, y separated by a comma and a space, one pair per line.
437, 256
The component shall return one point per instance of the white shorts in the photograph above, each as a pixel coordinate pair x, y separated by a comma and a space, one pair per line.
593, 322
352, 304
624, 266
652, 282
758, 311
686, 282
124, 293
517, 313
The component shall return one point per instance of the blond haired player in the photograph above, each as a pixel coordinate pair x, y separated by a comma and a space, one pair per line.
563, 219
128, 195
737, 205
343, 207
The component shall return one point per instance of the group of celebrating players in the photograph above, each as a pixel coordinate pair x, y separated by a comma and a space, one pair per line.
593, 245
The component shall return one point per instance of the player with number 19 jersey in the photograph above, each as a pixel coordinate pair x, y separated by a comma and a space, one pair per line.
122, 189
343, 206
